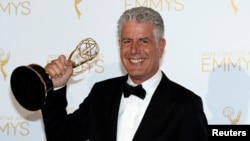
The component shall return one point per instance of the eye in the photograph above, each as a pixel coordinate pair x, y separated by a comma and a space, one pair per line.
144, 42
126, 42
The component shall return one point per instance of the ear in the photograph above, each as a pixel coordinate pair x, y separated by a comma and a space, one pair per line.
161, 46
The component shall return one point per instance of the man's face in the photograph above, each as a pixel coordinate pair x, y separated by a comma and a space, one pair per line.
139, 52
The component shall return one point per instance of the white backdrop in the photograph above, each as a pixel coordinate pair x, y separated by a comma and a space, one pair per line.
208, 51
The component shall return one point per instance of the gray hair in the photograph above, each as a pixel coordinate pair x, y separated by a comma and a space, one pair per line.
143, 15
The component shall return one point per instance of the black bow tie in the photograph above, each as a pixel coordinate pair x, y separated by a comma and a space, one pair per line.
138, 91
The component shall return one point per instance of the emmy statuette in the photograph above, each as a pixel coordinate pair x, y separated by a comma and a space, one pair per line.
30, 84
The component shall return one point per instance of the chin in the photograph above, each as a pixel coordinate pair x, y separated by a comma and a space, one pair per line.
135, 73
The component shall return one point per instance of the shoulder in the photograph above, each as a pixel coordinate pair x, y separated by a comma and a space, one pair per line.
179, 91
111, 82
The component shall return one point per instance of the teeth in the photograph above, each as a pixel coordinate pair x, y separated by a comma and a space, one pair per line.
136, 60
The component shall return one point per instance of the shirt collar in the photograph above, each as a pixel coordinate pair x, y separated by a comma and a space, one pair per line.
151, 84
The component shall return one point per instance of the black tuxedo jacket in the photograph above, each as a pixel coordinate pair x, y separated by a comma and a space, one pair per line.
174, 114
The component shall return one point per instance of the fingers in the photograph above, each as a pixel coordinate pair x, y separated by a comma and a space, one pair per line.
56, 68
59, 71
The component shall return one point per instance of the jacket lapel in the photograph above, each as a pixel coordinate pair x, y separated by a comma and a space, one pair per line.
114, 104
158, 110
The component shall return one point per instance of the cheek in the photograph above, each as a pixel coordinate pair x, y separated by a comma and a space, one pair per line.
158, 53
153, 53
122, 55
121, 51
124, 51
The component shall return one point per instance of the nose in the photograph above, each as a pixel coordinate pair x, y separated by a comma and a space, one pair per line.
135, 48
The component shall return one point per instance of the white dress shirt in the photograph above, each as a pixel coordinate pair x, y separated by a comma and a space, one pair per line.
133, 108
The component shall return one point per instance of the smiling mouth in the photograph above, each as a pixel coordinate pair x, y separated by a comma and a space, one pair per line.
136, 61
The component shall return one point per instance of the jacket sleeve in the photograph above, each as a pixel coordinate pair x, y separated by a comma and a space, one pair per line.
194, 124
58, 124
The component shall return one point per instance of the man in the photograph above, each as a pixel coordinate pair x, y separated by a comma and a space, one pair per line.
167, 112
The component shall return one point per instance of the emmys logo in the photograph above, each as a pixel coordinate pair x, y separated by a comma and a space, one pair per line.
4, 59
96, 65
234, 7
226, 60
228, 112
173, 5
84, 57
14, 126
78, 12
16, 7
